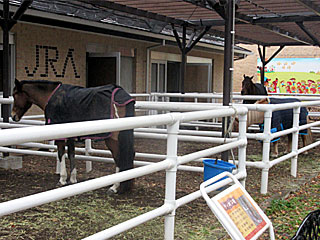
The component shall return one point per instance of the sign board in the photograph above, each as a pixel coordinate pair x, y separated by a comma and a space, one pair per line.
242, 212
235, 209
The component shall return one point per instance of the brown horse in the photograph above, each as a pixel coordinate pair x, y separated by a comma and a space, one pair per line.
283, 118
64, 103
250, 88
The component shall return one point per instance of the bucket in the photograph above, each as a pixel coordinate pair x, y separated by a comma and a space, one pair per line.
214, 167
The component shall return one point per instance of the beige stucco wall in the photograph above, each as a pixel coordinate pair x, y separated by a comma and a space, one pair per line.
218, 73
42, 53
29, 38
57, 43
248, 65
173, 54
57, 54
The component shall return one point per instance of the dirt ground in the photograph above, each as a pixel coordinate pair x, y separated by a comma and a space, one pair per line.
37, 175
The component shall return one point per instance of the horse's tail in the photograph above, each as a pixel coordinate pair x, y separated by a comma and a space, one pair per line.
126, 151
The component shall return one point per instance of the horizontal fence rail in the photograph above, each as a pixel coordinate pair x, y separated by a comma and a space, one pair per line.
187, 113
170, 162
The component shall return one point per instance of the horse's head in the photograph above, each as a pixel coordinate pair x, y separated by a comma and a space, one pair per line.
247, 86
21, 102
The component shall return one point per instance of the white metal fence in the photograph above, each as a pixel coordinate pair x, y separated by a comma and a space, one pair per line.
170, 164
265, 164
169, 161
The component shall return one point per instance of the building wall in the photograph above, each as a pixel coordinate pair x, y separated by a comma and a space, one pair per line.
173, 54
218, 74
51, 54
248, 66
58, 54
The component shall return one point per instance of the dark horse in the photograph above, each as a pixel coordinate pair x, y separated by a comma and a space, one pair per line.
282, 120
64, 103
250, 88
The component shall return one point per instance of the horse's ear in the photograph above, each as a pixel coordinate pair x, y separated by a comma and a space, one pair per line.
251, 77
18, 85
244, 76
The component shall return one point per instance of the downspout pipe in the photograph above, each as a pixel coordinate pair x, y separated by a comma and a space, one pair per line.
148, 61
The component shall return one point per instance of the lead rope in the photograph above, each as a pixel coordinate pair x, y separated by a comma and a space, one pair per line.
229, 131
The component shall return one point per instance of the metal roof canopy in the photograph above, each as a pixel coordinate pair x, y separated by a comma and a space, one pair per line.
262, 22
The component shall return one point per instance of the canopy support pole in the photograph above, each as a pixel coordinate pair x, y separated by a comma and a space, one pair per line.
265, 62
228, 67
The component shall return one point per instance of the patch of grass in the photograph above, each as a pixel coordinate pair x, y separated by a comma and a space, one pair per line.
76, 219
287, 214
254, 158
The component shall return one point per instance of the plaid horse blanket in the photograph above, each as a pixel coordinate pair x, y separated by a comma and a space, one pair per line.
69, 103
283, 119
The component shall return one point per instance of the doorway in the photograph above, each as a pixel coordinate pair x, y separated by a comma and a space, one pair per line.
103, 69
158, 76
198, 78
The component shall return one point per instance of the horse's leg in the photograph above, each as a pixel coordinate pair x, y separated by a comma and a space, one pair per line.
121, 144
275, 149
126, 157
112, 144
126, 150
71, 156
123, 155
289, 146
61, 144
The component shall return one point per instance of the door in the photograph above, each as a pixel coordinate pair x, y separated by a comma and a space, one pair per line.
173, 77
198, 78
103, 68
158, 76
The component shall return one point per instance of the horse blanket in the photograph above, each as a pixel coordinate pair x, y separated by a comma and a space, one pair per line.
261, 89
283, 119
69, 103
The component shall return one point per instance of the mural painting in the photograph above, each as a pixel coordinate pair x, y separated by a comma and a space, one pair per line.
292, 75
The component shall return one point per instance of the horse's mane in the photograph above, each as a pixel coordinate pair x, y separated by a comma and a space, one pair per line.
39, 82
44, 85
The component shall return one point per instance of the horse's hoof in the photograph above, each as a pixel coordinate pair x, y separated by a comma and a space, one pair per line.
274, 155
59, 184
111, 192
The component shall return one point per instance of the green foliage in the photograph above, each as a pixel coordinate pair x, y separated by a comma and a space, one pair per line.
287, 214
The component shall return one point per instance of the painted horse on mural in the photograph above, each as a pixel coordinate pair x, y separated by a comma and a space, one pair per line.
281, 120
250, 88
64, 103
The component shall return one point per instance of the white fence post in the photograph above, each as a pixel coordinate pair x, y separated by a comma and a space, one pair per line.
87, 153
242, 149
171, 175
295, 140
266, 152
